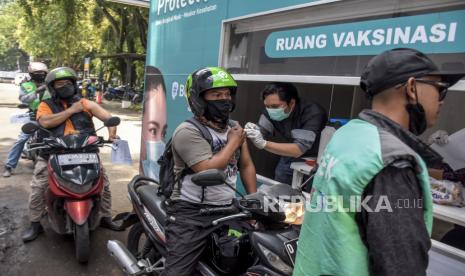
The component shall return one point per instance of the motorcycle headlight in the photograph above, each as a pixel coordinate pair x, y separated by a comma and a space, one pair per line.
294, 212
275, 261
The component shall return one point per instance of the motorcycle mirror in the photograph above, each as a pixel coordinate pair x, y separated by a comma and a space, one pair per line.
23, 106
112, 122
212, 177
29, 128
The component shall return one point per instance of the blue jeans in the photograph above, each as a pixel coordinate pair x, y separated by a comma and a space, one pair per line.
16, 150
283, 172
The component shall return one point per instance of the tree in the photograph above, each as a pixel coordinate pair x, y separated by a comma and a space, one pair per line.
10, 53
66, 31
58, 30
126, 33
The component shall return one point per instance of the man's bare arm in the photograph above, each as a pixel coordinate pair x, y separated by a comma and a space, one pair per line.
102, 115
247, 170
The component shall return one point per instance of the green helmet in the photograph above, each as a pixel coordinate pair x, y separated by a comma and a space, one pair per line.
60, 73
205, 79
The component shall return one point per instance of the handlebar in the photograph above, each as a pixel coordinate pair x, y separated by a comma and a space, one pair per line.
51, 143
236, 216
231, 212
224, 210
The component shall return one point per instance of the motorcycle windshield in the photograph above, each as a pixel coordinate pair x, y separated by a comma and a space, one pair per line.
78, 177
75, 141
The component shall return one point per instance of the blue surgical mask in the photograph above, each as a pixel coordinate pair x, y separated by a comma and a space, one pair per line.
154, 150
277, 114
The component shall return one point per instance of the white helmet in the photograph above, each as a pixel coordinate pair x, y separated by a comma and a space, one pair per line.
37, 67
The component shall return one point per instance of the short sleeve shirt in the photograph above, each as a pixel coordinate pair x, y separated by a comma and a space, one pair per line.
190, 148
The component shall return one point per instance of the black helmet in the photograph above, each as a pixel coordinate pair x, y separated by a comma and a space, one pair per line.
205, 79
60, 73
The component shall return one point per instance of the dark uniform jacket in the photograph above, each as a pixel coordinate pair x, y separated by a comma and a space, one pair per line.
303, 127
397, 242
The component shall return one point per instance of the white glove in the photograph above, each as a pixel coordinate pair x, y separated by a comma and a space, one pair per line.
250, 125
439, 137
253, 133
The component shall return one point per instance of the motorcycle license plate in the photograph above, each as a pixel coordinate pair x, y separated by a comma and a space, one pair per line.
291, 249
77, 159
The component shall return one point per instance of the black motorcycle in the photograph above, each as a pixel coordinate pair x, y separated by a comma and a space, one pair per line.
268, 248
29, 153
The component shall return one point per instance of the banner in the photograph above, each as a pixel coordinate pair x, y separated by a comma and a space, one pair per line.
430, 33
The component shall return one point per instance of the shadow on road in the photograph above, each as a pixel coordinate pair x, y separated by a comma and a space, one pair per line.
53, 254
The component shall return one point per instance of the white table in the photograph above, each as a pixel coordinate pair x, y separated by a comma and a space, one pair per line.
454, 215
445, 260
451, 214
300, 169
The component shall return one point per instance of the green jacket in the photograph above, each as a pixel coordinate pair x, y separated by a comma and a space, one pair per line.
29, 96
330, 242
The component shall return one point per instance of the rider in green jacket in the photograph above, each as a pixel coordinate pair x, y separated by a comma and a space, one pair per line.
31, 93
370, 211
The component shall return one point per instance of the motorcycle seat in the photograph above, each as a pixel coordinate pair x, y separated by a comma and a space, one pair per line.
153, 202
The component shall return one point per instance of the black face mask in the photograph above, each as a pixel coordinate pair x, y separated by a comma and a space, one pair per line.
65, 92
40, 78
417, 121
218, 111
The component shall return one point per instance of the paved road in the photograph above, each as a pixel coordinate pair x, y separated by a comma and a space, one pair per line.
52, 254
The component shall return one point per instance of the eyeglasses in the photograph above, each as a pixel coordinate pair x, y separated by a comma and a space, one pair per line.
441, 86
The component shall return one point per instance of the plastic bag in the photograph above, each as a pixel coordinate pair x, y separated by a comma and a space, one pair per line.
20, 118
446, 192
120, 153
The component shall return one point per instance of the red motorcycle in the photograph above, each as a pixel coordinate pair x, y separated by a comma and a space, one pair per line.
75, 183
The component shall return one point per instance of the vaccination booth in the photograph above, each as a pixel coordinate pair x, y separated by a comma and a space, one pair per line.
319, 46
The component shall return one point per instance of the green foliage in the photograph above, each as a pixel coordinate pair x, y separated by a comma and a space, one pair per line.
126, 32
7, 26
66, 31
10, 53
57, 30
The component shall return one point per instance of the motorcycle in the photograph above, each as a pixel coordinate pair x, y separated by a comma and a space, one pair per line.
28, 153
269, 248
138, 97
75, 183
123, 92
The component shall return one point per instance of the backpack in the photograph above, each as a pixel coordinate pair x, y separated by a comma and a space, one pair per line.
166, 162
